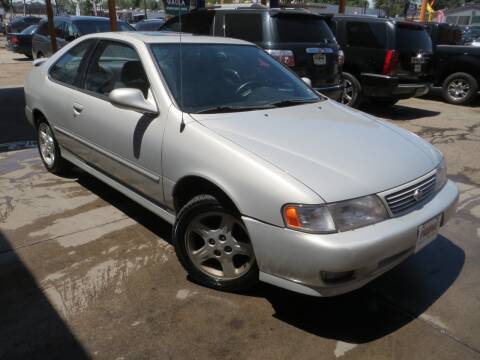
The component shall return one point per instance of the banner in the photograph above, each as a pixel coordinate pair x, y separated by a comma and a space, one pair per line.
176, 7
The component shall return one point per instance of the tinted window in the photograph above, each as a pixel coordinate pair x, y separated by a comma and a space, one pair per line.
199, 23
59, 30
43, 29
30, 30
115, 66
301, 28
66, 69
149, 25
247, 27
219, 75
96, 26
411, 37
366, 34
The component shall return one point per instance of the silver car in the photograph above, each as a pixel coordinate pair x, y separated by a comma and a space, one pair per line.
261, 177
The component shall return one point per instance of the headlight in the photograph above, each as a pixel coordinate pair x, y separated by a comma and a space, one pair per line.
441, 175
340, 216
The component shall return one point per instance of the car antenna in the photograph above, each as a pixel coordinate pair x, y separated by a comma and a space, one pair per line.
182, 123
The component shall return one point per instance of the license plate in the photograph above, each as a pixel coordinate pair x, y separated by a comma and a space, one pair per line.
417, 68
418, 60
428, 231
319, 59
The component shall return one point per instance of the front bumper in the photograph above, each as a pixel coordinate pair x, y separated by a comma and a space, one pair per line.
376, 85
294, 260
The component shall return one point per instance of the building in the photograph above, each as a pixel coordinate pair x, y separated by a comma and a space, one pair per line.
469, 14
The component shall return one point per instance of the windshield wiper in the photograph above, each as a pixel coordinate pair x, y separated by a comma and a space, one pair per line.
290, 102
225, 109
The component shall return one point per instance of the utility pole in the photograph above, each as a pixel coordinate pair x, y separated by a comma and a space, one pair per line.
341, 6
112, 14
145, 8
423, 9
51, 25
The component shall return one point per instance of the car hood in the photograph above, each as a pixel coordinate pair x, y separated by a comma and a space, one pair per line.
338, 152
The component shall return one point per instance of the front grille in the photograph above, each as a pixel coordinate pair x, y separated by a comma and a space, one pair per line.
403, 200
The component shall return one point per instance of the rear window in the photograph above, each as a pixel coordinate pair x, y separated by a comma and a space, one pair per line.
301, 29
247, 27
366, 34
96, 26
410, 37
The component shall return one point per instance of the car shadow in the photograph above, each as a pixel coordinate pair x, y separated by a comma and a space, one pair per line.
14, 127
30, 327
398, 112
22, 59
382, 307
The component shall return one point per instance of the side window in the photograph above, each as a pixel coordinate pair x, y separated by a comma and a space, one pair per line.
66, 69
116, 65
247, 27
198, 23
43, 29
366, 34
59, 30
69, 31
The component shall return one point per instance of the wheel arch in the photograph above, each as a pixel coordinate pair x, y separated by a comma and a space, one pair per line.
192, 185
37, 116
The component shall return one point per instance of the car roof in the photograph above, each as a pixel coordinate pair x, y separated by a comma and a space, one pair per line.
259, 10
80, 18
378, 19
154, 37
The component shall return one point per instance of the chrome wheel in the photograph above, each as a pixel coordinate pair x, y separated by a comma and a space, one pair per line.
348, 92
458, 88
46, 144
217, 244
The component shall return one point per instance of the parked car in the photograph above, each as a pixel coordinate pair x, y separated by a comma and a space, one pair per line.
68, 28
385, 59
22, 42
262, 177
298, 39
455, 67
18, 24
149, 25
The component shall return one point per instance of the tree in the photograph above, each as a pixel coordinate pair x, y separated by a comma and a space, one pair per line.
5, 4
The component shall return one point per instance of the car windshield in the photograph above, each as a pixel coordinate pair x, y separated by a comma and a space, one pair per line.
301, 29
412, 37
96, 26
227, 78
29, 30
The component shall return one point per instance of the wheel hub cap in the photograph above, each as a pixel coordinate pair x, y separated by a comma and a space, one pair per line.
47, 144
217, 244
458, 88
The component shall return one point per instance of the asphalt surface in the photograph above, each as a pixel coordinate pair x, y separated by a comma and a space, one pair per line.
87, 273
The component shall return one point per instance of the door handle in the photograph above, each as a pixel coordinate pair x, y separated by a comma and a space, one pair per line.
77, 109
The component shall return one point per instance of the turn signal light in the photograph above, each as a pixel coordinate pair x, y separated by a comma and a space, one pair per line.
391, 61
291, 217
14, 40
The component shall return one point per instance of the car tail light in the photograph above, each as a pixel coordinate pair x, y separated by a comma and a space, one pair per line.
284, 56
341, 57
391, 61
14, 40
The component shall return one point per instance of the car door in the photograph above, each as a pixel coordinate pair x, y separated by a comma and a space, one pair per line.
120, 142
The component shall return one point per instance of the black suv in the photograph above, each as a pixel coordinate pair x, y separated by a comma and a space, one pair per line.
385, 59
298, 39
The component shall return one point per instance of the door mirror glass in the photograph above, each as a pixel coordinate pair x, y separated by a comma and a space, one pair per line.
133, 99
307, 81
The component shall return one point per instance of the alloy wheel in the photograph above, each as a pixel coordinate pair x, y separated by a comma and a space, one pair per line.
348, 92
217, 244
458, 89
47, 144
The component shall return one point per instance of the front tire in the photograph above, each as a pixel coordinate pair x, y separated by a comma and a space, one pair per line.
459, 88
49, 149
352, 92
213, 245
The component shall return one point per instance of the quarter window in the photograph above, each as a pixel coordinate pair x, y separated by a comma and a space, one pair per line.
366, 34
116, 66
66, 69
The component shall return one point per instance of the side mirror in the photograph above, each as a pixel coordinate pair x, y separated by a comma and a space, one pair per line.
133, 99
307, 81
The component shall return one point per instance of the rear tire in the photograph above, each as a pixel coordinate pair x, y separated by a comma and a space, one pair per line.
352, 93
212, 244
459, 88
50, 150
